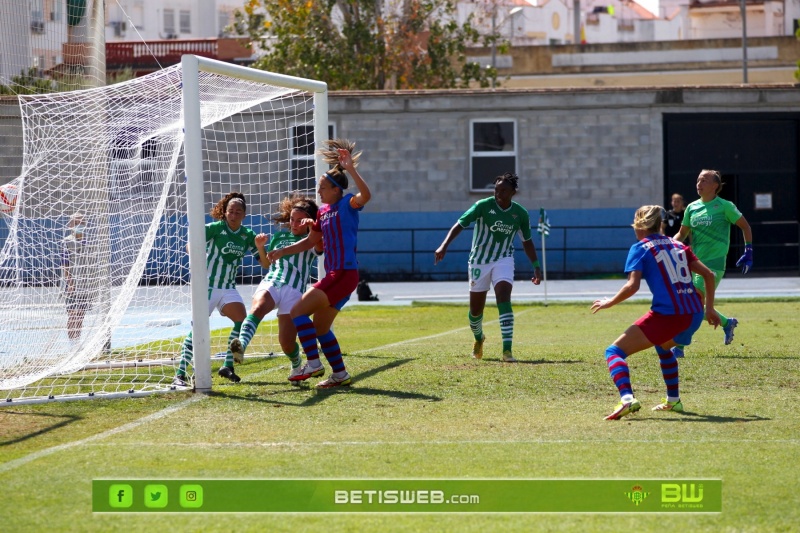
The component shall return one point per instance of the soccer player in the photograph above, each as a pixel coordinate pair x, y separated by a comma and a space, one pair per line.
337, 227
491, 261
707, 222
80, 273
285, 281
675, 314
227, 242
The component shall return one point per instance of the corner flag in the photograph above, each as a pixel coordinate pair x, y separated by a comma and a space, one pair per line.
544, 223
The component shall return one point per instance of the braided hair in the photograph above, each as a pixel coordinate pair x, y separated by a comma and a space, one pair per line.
510, 178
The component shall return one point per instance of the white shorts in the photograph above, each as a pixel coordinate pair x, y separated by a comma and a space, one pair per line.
284, 297
481, 277
219, 298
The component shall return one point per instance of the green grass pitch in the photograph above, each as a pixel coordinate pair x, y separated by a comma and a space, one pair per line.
421, 407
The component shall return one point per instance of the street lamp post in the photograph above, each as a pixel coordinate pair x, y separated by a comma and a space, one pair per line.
511, 13
744, 41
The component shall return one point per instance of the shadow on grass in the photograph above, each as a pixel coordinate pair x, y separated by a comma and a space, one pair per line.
756, 357
66, 420
688, 416
534, 362
321, 395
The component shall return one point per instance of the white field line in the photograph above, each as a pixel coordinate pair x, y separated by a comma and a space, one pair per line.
5, 467
358, 443
444, 334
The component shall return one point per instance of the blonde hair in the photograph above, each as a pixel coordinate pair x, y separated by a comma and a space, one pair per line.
649, 217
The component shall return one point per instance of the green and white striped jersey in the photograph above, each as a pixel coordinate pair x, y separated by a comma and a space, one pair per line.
293, 270
495, 228
225, 249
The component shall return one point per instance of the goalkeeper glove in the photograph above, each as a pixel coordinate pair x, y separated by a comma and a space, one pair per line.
746, 261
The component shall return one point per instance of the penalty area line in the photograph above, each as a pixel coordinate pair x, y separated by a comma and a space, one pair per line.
434, 336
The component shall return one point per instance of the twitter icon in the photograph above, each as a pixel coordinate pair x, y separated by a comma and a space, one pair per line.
155, 496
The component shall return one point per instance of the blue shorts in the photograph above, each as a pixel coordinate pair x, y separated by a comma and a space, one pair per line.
684, 338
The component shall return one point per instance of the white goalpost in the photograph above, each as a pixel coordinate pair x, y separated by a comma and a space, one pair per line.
95, 299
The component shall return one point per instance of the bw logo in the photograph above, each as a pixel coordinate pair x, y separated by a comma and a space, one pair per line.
637, 495
683, 493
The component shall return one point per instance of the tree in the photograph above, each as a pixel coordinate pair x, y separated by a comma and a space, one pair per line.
364, 44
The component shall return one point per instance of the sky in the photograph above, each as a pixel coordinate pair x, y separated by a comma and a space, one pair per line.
650, 5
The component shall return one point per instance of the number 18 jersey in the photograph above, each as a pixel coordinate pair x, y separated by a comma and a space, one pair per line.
664, 264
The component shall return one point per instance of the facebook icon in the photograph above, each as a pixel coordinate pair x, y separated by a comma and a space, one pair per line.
120, 496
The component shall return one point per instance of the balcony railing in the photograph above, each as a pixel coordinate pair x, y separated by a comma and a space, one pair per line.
151, 55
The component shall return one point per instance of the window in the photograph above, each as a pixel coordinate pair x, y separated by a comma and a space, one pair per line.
223, 21
37, 17
186, 21
56, 10
301, 159
493, 151
169, 23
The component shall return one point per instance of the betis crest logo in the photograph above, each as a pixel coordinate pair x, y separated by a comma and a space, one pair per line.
637, 495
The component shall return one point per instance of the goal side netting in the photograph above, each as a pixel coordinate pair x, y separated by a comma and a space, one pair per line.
95, 292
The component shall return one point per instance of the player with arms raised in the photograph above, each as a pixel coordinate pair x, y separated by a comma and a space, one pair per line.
337, 227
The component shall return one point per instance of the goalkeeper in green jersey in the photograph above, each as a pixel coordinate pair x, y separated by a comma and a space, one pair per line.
491, 260
708, 222
227, 242
285, 281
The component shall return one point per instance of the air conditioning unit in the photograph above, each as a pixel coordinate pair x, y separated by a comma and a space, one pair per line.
119, 27
37, 26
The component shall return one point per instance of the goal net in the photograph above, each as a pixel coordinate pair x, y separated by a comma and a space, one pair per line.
95, 298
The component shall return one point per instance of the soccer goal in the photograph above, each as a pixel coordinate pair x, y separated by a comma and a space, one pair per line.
95, 299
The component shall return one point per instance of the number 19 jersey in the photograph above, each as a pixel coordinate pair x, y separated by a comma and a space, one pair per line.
495, 228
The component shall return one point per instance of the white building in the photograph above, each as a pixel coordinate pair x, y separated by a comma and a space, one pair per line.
540, 22
153, 20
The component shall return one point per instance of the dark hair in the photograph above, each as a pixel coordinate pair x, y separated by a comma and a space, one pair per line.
510, 178
296, 201
338, 177
715, 176
218, 211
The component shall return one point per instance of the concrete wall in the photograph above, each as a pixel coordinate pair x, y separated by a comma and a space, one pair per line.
578, 149
540, 60
589, 156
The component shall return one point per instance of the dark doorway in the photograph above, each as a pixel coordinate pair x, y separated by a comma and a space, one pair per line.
757, 155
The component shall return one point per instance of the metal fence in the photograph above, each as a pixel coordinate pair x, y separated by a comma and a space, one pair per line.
570, 252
